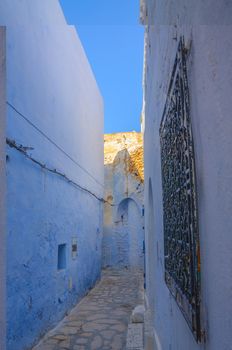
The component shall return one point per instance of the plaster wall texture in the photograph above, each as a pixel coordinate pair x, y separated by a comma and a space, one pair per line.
123, 233
180, 12
2, 187
50, 84
210, 84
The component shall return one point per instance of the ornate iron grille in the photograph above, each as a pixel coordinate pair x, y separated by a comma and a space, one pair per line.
181, 237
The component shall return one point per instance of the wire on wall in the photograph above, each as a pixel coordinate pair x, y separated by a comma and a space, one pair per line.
52, 142
23, 150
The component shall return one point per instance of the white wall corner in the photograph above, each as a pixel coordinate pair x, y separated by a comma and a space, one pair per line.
143, 12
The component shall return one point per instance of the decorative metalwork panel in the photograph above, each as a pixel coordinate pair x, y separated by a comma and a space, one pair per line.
181, 237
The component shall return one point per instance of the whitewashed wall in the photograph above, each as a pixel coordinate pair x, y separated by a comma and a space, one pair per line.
210, 84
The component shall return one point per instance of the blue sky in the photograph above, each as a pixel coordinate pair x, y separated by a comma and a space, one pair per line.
113, 40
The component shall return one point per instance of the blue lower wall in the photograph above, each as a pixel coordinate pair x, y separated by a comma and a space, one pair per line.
44, 211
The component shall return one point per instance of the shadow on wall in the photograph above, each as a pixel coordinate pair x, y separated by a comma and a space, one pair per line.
150, 256
129, 164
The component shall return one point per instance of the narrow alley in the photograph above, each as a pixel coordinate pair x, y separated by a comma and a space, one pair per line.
101, 319
115, 175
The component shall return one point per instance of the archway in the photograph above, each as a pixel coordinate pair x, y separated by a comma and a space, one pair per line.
129, 234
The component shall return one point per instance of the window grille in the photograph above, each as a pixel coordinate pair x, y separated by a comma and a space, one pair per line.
181, 236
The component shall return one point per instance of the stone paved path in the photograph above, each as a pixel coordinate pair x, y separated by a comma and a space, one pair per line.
101, 319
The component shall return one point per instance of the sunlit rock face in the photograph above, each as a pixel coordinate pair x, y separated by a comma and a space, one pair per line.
123, 233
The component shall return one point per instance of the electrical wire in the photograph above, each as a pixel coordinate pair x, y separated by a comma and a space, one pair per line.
52, 142
23, 150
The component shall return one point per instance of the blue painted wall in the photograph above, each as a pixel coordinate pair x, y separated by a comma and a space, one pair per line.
2, 188
49, 85
43, 213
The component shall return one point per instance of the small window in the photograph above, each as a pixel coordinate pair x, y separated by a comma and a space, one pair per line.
61, 257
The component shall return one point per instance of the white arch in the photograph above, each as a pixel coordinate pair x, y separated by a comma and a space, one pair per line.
130, 226
124, 203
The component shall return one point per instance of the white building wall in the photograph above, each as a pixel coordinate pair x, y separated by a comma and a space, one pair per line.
2, 187
210, 85
36, 13
35, 88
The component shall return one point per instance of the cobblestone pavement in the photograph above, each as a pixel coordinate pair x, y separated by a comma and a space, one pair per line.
101, 319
